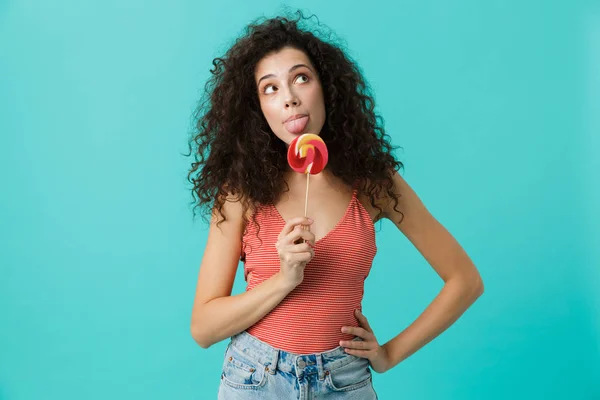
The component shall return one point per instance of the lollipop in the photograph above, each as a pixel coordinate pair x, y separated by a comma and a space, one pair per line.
308, 155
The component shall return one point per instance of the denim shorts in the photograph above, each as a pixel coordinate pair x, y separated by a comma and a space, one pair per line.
252, 369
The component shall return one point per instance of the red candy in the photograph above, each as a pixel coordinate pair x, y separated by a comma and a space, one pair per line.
307, 154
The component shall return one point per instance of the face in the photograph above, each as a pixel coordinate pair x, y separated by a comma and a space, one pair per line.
290, 94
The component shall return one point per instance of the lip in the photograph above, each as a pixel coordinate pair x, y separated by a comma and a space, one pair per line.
295, 116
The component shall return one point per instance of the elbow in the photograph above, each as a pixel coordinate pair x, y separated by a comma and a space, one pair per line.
472, 283
199, 337
470, 286
476, 286
480, 287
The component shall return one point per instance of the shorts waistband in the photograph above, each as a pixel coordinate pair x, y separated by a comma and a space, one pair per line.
274, 359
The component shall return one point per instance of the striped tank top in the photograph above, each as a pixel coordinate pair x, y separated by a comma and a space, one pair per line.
309, 319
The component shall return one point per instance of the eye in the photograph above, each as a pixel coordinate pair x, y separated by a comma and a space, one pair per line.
267, 87
303, 76
275, 87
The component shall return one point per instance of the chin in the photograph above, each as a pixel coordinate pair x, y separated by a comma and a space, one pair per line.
286, 137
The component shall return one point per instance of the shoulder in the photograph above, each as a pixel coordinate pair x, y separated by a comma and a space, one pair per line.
365, 201
405, 209
235, 209
376, 200
393, 206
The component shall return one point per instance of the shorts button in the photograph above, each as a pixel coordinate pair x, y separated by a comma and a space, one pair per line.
301, 363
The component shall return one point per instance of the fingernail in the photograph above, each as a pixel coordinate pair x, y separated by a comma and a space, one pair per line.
309, 220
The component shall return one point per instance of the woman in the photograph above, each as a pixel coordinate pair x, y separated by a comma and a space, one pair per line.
298, 330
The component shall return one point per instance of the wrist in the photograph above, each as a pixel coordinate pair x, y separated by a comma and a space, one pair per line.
284, 283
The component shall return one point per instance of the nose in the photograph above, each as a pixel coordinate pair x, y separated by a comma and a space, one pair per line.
291, 100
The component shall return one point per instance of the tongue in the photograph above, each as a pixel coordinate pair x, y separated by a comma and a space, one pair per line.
297, 125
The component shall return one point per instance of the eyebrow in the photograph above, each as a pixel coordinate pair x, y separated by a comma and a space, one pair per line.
291, 69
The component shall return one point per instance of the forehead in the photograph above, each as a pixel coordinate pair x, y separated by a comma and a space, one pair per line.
280, 62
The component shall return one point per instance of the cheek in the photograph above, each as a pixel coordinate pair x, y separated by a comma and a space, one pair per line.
316, 96
318, 102
269, 112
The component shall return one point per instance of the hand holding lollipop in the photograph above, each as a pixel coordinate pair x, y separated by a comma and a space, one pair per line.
307, 154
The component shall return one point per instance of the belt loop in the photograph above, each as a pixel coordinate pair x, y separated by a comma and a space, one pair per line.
272, 364
320, 364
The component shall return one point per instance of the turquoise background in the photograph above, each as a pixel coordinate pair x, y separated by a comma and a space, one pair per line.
496, 106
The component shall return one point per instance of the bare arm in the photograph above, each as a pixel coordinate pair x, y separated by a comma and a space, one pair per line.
225, 316
462, 282
217, 314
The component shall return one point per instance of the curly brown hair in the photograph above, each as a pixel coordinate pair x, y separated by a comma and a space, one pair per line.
236, 153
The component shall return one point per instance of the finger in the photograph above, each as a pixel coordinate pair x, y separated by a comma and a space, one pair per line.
299, 233
363, 320
304, 257
357, 344
295, 258
299, 248
309, 237
358, 353
356, 331
294, 236
292, 223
